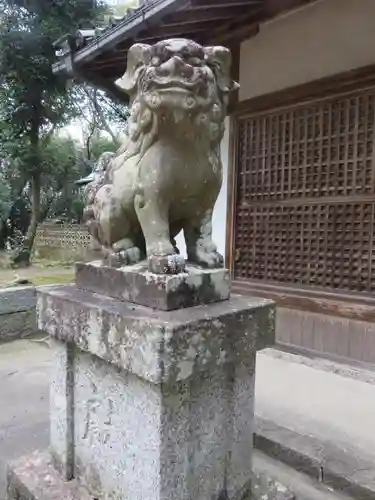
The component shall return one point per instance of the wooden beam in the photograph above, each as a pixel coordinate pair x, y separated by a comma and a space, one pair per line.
160, 34
230, 229
198, 15
107, 85
232, 163
227, 31
166, 31
275, 7
118, 61
236, 34
234, 48
117, 56
353, 306
342, 82
211, 4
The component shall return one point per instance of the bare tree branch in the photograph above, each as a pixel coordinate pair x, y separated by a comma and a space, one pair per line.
93, 98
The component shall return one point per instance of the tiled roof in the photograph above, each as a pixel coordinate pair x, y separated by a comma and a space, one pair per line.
101, 53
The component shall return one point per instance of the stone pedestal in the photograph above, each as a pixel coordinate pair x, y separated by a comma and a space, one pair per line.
147, 404
158, 291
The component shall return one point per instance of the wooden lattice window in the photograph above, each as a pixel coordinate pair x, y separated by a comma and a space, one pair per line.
305, 194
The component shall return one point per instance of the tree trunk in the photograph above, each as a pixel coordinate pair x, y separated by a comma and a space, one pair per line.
44, 209
3, 234
23, 257
35, 211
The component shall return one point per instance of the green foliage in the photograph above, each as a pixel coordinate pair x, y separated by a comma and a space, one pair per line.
61, 166
34, 102
38, 168
32, 98
63, 163
100, 145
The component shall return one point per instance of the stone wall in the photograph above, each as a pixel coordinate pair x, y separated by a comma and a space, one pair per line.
17, 312
62, 242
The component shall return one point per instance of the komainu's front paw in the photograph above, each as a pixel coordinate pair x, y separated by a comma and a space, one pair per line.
166, 264
206, 255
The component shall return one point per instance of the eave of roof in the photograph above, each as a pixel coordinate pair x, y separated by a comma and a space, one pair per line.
146, 16
101, 54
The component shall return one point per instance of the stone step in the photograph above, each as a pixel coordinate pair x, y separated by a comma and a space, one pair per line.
302, 486
338, 468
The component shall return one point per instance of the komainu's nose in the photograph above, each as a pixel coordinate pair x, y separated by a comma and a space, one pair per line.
177, 62
176, 66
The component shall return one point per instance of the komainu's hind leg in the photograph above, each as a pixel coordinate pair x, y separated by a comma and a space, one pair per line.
199, 245
128, 250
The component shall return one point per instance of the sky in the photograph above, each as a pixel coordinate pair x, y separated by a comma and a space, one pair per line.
73, 130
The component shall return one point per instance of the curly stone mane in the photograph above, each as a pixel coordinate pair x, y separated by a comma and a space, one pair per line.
143, 123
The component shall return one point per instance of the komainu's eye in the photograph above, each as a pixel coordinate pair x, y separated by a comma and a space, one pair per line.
155, 61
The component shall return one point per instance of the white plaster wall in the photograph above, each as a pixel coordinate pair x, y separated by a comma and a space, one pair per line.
220, 211
315, 41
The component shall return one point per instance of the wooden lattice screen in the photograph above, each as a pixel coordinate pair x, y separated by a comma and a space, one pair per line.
305, 194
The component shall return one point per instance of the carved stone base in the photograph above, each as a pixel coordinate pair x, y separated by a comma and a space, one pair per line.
34, 478
153, 405
160, 291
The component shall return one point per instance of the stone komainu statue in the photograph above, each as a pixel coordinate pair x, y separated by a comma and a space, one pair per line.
167, 175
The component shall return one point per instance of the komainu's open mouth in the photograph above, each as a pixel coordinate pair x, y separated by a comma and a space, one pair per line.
166, 83
174, 89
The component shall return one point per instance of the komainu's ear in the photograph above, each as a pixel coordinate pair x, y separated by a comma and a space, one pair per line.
138, 57
219, 60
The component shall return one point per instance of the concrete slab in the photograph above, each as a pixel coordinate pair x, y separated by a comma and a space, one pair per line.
328, 401
317, 416
17, 299
24, 391
17, 312
303, 487
315, 397
340, 468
